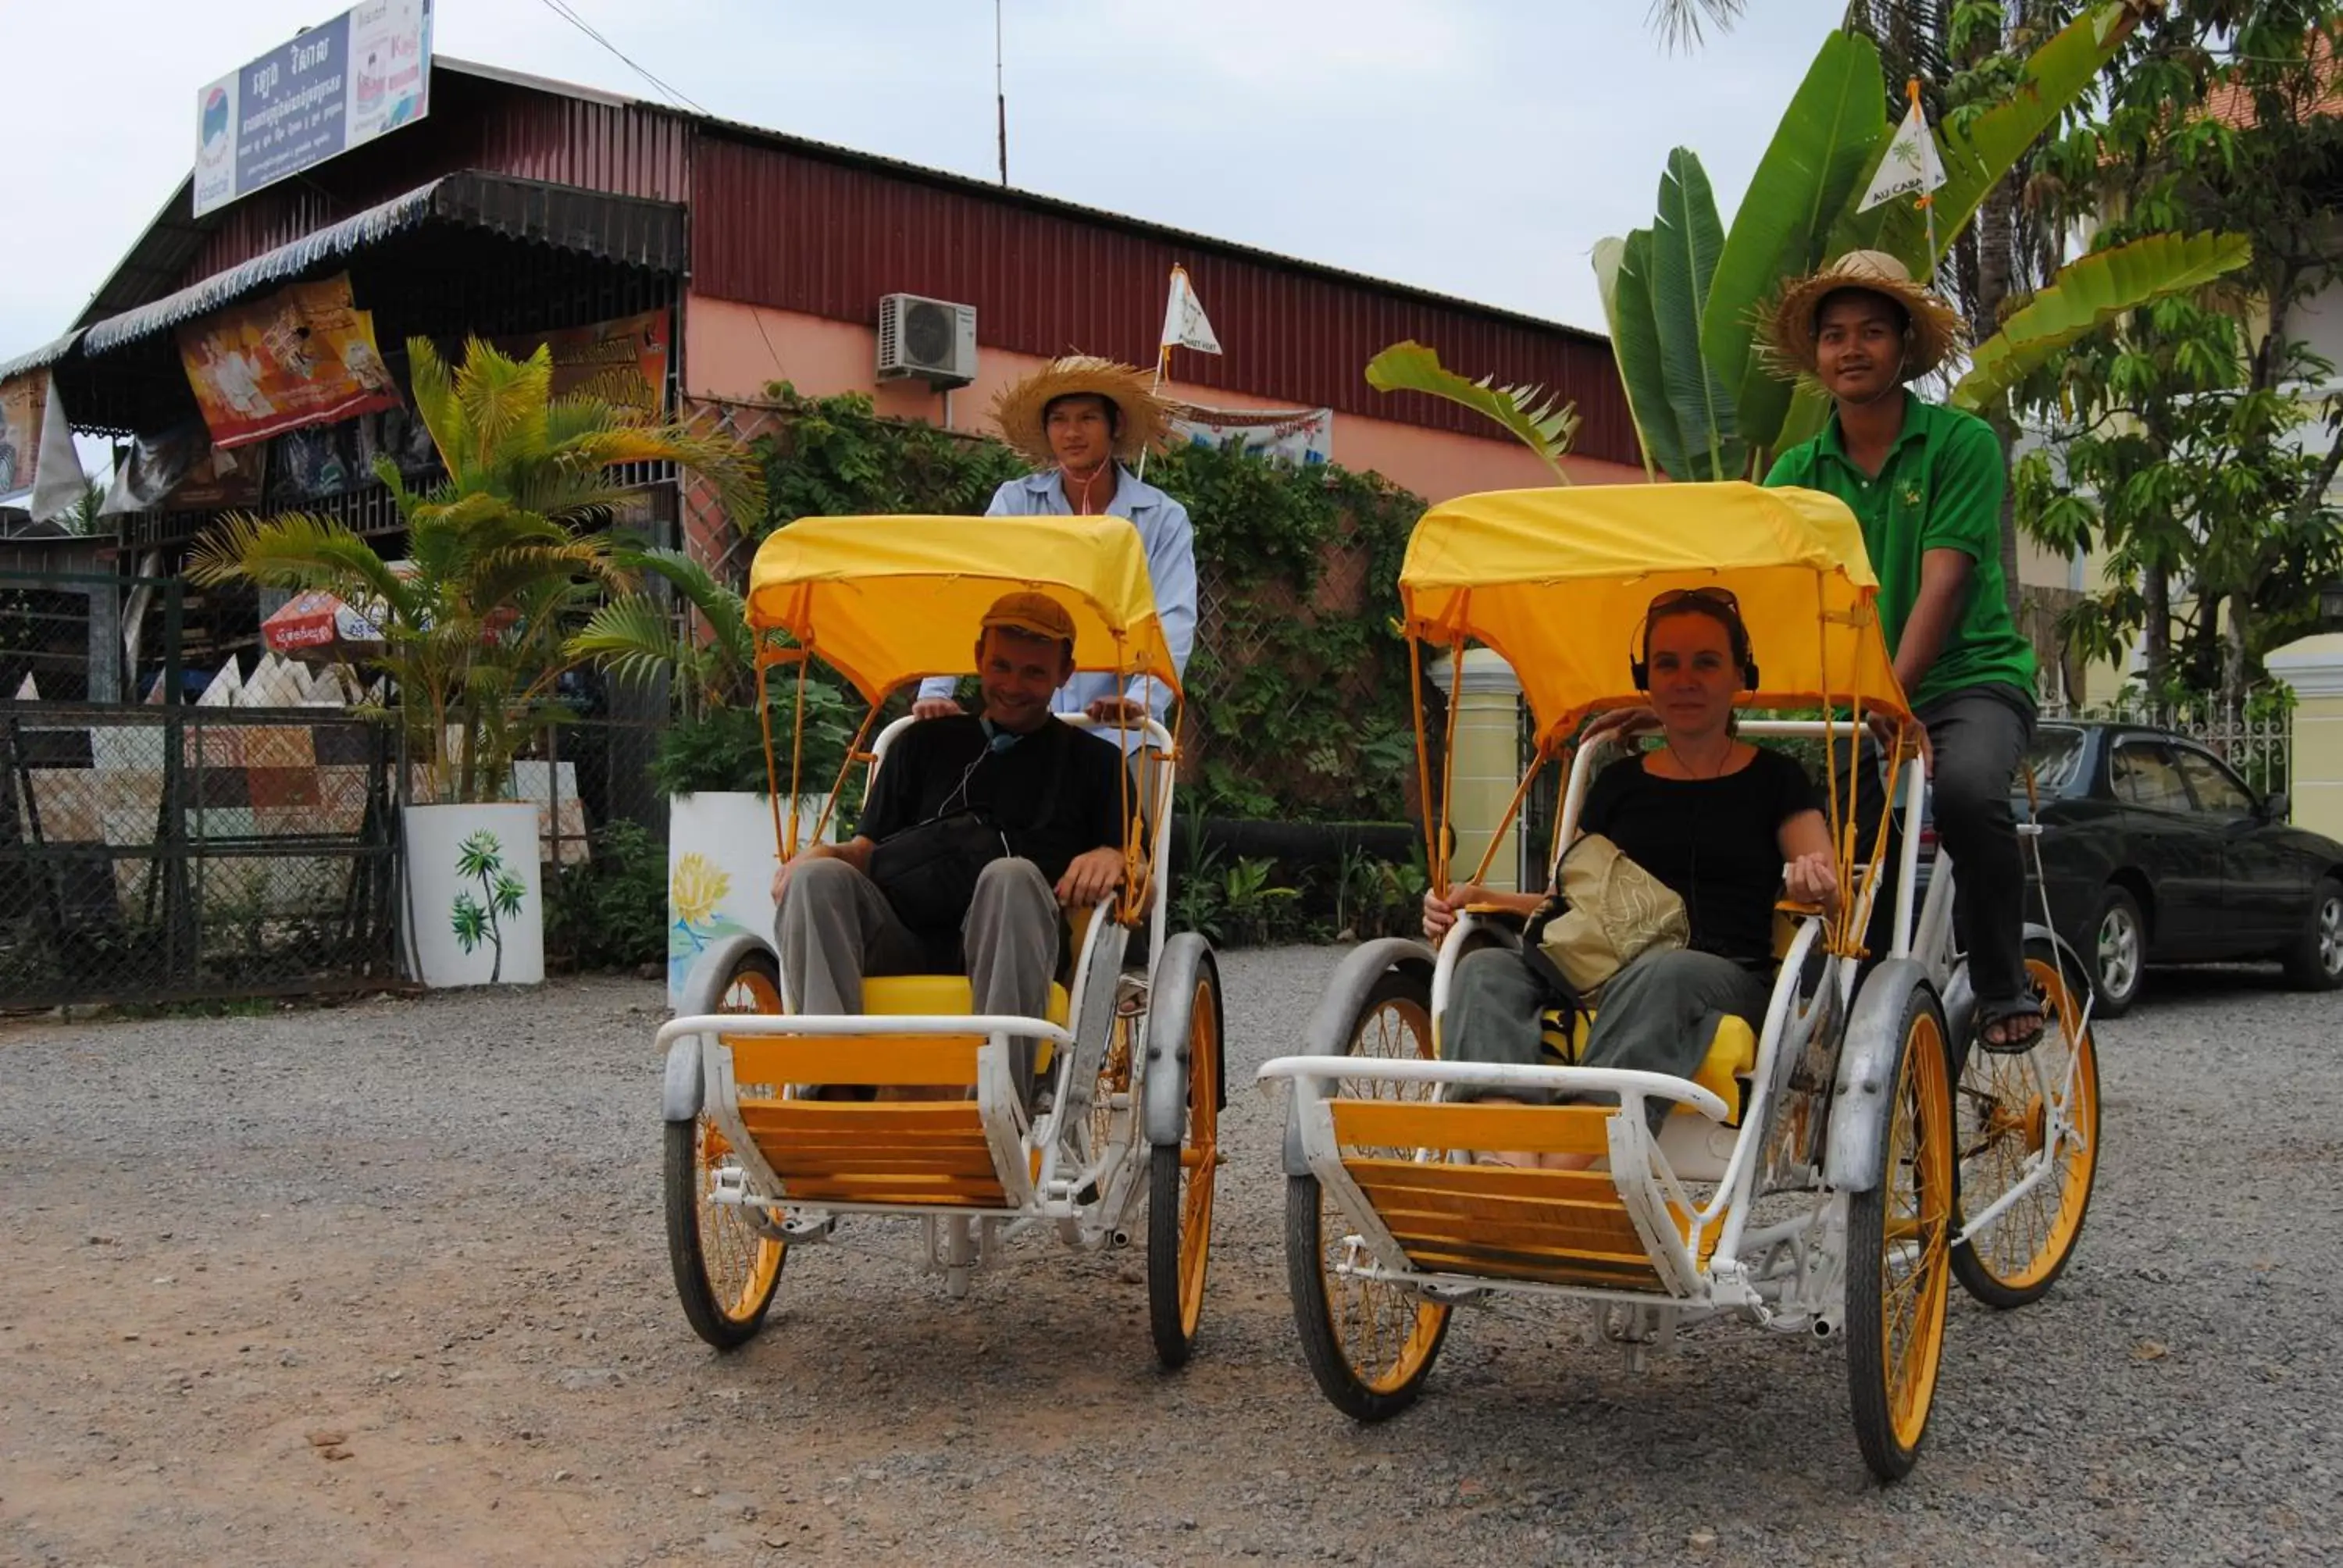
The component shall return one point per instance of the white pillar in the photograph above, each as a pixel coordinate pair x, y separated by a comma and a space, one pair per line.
2313, 667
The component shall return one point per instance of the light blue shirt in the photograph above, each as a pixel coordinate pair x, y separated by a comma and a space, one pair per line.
1169, 539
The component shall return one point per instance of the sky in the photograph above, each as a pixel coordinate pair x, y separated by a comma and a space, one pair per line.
1477, 147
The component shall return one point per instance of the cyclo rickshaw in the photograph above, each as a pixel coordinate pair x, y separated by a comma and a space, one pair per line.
759, 1160
1825, 1175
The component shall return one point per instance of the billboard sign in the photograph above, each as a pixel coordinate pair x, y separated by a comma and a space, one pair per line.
332, 88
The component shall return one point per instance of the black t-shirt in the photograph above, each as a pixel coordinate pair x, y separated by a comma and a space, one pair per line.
943, 765
1716, 841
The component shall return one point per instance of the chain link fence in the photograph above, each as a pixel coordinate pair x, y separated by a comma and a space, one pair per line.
172, 853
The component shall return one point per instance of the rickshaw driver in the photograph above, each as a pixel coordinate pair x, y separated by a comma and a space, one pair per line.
1925, 483
1079, 419
835, 925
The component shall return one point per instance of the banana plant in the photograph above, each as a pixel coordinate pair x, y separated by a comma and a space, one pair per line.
1684, 301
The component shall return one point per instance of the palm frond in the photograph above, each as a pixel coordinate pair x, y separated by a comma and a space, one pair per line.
1545, 424
504, 399
1678, 22
433, 386
633, 639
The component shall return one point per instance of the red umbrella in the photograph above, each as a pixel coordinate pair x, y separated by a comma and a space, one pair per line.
318, 627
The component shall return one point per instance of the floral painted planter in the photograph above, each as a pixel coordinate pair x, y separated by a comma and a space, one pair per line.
475, 905
721, 860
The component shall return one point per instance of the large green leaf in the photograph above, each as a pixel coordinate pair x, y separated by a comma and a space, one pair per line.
1543, 424
1977, 158
1802, 184
1610, 253
1686, 239
1635, 344
2089, 291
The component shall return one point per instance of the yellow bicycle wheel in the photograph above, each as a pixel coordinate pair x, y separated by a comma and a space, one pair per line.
2008, 1110
1369, 1344
1897, 1267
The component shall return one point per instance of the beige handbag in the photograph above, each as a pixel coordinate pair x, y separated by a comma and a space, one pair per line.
1612, 912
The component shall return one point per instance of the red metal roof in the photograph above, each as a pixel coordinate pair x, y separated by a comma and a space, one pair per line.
803, 226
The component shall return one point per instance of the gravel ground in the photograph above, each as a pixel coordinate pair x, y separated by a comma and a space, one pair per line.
387, 1283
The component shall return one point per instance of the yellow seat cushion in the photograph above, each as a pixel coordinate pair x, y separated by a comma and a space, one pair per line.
905, 996
1732, 1054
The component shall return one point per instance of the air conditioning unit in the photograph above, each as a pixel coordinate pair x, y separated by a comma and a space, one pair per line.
933, 340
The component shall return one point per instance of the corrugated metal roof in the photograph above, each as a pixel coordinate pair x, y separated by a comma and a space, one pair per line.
47, 354
618, 228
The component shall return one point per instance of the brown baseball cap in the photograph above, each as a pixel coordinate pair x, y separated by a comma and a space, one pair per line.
1034, 614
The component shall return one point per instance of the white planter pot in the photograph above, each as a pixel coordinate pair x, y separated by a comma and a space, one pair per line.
475, 903
720, 859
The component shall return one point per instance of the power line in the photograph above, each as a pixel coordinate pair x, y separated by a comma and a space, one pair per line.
561, 9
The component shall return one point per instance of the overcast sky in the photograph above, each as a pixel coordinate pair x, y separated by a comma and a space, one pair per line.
1478, 148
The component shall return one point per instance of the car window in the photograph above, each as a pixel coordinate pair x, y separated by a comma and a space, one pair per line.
2056, 759
2144, 775
2218, 794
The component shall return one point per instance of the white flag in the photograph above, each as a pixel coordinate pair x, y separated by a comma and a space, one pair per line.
57, 479
1184, 325
1910, 165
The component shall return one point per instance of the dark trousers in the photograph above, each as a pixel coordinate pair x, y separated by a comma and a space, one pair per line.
1979, 737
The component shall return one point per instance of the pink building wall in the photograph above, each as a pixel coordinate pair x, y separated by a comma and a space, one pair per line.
731, 350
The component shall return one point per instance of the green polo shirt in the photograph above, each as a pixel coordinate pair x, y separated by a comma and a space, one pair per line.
1940, 489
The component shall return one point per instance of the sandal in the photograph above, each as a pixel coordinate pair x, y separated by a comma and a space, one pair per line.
2010, 1028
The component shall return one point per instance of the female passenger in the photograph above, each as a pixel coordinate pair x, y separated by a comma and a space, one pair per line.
1728, 826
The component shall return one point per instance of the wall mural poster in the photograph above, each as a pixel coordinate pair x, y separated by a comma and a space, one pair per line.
1297, 437
303, 355
22, 400
622, 362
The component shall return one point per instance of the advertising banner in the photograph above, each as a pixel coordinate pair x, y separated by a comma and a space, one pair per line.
622, 362
303, 355
1298, 436
335, 86
23, 399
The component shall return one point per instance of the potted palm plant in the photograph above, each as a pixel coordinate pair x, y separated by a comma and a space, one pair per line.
504, 561
723, 842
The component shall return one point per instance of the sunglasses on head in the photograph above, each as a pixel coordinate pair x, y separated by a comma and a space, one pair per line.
1719, 595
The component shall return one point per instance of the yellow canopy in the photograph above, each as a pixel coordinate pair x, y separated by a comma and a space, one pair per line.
884, 601
1557, 581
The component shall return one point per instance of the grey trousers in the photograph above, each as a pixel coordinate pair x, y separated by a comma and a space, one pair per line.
1659, 1014
835, 926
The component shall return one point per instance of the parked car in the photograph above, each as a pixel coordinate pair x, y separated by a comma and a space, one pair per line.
2155, 852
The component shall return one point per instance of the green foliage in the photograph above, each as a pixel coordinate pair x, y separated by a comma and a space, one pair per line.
2181, 440
609, 911
724, 748
1298, 714
837, 456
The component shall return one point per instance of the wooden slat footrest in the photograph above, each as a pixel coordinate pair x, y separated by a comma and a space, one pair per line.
1426, 1124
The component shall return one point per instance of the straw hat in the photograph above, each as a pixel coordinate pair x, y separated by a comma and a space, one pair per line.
1145, 419
1936, 326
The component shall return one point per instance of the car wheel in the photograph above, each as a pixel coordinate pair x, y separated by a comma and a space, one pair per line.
2118, 950
2315, 961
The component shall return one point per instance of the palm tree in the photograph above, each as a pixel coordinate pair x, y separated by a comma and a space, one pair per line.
504, 554
1678, 22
